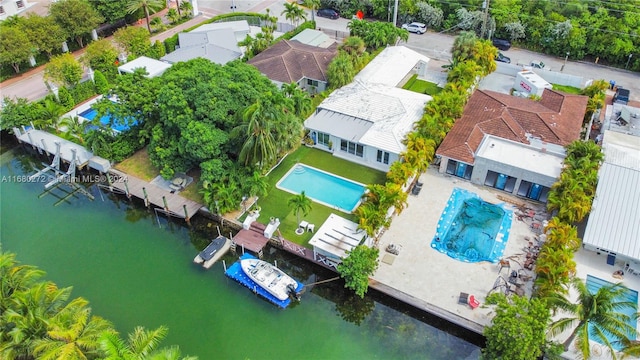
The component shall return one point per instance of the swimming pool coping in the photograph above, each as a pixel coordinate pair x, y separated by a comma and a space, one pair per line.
294, 166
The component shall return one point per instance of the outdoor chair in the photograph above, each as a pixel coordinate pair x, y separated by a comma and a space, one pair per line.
463, 299
473, 302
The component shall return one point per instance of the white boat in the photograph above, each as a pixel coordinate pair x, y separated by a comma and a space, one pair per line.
269, 277
213, 252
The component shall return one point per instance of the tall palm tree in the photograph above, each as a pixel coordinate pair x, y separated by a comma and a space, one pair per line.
147, 5
595, 316
313, 5
259, 143
300, 203
554, 268
15, 278
51, 112
73, 333
293, 13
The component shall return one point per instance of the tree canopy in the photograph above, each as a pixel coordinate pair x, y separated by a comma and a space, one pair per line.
355, 269
76, 17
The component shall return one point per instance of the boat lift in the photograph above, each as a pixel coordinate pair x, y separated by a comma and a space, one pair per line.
61, 177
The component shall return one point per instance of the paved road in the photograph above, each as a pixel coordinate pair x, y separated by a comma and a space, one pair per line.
434, 45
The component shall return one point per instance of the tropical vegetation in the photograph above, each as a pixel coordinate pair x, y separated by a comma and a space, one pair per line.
360, 263
40, 321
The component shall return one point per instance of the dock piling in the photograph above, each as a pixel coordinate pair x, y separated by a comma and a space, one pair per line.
126, 189
186, 214
224, 265
146, 197
164, 201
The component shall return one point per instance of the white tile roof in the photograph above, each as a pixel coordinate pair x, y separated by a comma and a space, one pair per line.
152, 66
614, 222
337, 235
391, 66
391, 111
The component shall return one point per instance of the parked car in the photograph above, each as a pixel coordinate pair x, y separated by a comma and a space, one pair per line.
537, 64
502, 58
328, 13
415, 27
621, 96
501, 44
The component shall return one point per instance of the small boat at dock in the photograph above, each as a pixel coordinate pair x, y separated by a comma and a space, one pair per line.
270, 278
213, 252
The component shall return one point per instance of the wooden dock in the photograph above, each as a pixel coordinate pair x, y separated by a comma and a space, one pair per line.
252, 239
172, 204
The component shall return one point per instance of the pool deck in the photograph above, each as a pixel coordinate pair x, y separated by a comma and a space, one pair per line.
432, 281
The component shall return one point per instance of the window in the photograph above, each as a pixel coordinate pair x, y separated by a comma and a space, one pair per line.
382, 157
1, 10
500, 181
323, 138
312, 82
352, 148
459, 169
533, 191
20, 4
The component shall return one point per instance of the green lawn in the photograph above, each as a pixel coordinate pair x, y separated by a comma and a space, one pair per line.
275, 203
421, 86
567, 89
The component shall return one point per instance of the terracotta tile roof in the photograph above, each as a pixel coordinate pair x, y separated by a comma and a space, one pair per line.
556, 118
289, 61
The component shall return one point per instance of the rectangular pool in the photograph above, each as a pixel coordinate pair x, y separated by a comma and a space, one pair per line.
106, 120
595, 283
322, 187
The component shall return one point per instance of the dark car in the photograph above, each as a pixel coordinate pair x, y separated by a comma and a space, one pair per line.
502, 58
328, 13
502, 44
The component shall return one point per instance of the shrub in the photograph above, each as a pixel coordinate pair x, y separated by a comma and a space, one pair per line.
65, 98
83, 91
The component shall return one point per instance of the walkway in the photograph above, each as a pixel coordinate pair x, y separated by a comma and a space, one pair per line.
173, 204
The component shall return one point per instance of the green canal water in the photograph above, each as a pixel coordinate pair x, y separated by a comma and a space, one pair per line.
136, 269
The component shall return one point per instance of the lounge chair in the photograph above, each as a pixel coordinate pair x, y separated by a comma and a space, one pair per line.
473, 302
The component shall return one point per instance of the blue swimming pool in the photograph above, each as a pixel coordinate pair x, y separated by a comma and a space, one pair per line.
471, 229
593, 284
107, 120
322, 187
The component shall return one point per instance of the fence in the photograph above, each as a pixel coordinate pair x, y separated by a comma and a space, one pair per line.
336, 34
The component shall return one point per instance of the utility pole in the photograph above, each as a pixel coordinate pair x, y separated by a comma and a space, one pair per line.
485, 5
395, 14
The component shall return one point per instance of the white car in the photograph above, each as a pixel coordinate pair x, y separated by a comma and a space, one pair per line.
415, 27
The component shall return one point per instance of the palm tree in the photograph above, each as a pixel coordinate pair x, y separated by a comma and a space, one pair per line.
257, 184
353, 45
73, 333
259, 143
147, 5
463, 46
313, 5
596, 315
293, 13
554, 268
140, 345
51, 112
300, 203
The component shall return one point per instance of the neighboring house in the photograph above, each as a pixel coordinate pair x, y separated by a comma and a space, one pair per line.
219, 46
240, 28
314, 38
366, 121
12, 7
613, 226
290, 61
152, 66
513, 144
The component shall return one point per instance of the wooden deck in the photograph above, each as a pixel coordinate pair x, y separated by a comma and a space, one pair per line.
252, 239
173, 204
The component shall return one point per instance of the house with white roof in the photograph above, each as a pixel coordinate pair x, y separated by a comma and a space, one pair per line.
613, 226
367, 120
153, 67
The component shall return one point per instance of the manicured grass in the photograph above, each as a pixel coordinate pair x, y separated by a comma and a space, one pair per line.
275, 203
421, 86
139, 165
567, 89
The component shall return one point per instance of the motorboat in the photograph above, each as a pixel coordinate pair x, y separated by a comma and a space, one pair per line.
213, 252
269, 277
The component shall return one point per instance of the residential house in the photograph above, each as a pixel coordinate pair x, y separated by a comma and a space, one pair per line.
12, 7
366, 121
153, 67
217, 42
290, 61
513, 144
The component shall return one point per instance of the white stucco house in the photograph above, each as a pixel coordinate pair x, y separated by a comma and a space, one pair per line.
366, 121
